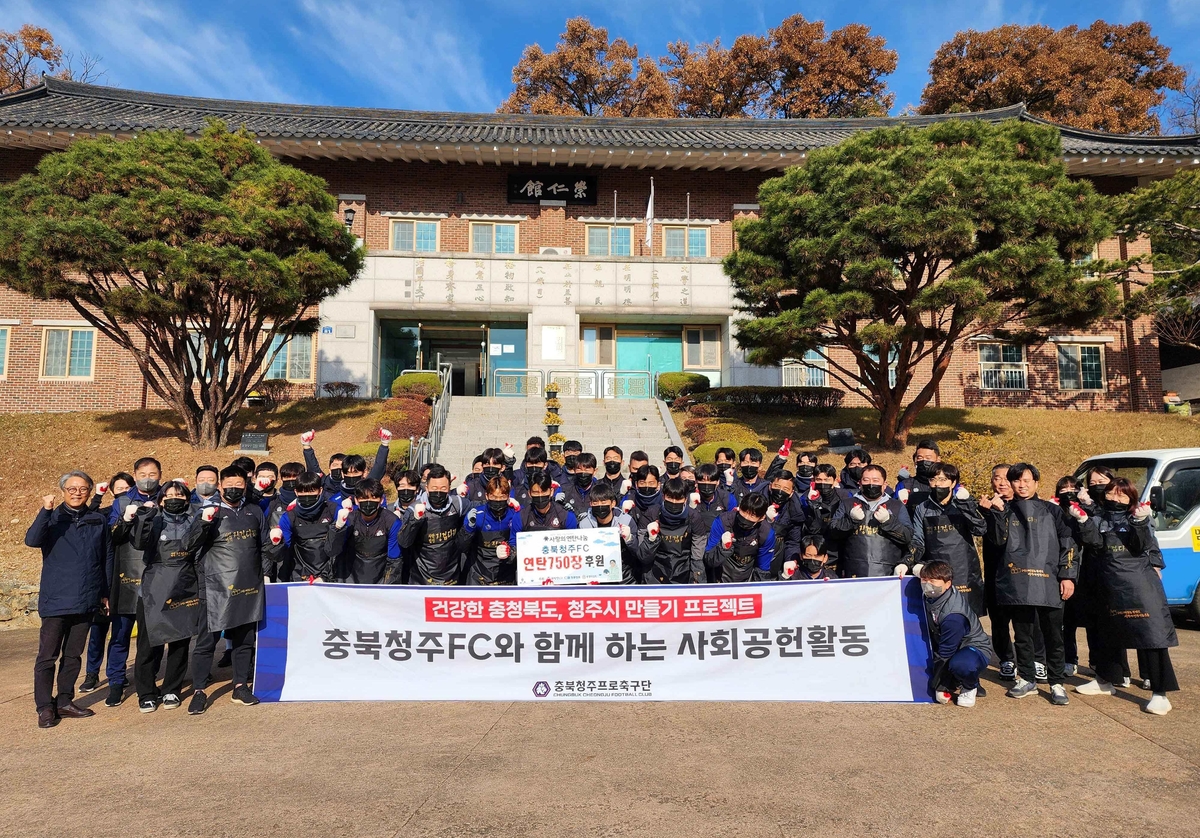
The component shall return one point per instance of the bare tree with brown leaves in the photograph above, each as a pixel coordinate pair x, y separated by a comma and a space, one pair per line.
836, 76
1108, 77
30, 52
718, 82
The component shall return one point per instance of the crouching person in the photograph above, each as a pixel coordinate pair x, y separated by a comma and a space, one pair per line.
961, 648
169, 610
807, 561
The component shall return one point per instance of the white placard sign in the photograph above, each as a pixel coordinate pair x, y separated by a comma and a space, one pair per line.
569, 557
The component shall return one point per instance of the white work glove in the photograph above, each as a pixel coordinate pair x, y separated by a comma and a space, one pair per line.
276, 534
917, 568
814, 493
472, 516
627, 507
306, 438
347, 503
901, 570
652, 530
208, 513
694, 500
263, 483
509, 452
418, 510
857, 513
1143, 511
1076, 512
102, 487
626, 533
130, 511
462, 490
560, 498
902, 495
785, 449
727, 540
772, 513
904, 473
961, 493
1084, 497
385, 436
626, 486
342, 515
514, 505
882, 515
789, 569
729, 477
502, 550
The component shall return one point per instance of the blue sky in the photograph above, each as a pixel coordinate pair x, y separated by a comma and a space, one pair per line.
458, 55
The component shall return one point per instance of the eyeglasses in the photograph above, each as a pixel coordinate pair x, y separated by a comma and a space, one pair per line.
76, 490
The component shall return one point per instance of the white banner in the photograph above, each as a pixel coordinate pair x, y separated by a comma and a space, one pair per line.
847, 640
569, 557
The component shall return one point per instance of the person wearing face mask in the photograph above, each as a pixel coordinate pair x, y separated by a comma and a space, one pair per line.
367, 538
536, 464
408, 487
672, 461
806, 561
741, 541
116, 487
205, 493
806, 469
1132, 612
821, 503
913, 487
945, 525
473, 490
490, 536
613, 460
304, 539
1076, 610
332, 481
873, 529
786, 516
264, 487
127, 580
856, 460
672, 546
961, 649
578, 488
572, 448
748, 482
554, 469
1035, 575
645, 498
433, 531
234, 570
725, 459
169, 610
603, 512
540, 512
354, 469
714, 500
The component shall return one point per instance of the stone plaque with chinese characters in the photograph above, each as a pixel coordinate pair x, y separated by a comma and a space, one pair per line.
532, 186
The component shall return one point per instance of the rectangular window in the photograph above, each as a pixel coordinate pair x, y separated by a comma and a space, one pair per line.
809, 371
1002, 367
701, 347
609, 241
697, 242
596, 346
415, 236
1085, 261
493, 238
893, 360
1080, 367
67, 353
291, 360
685, 241
3, 351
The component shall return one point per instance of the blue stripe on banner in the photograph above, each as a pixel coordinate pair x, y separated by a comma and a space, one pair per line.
270, 661
916, 637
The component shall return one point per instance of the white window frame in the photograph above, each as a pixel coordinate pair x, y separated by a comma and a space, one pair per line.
286, 351
1059, 347
802, 370
1003, 368
42, 376
1087, 260
716, 341
7, 331
609, 227
494, 224
687, 240
437, 234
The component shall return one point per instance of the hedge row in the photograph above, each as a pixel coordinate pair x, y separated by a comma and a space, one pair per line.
672, 385
810, 397
424, 384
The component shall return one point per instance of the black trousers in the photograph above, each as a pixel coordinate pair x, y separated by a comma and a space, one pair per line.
1154, 664
241, 639
1001, 639
1026, 619
61, 642
149, 658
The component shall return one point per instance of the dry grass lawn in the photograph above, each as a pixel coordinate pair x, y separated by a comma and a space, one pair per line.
1054, 440
42, 446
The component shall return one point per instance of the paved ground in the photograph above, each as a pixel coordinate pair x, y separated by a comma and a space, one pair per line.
1098, 767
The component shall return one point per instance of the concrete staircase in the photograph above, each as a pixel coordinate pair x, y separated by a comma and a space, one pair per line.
475, 423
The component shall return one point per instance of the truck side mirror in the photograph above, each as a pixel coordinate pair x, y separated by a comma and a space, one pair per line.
1157, 502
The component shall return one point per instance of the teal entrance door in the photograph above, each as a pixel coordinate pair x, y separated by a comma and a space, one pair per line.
654, 352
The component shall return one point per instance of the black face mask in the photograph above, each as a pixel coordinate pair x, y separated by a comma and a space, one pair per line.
289, 485
438, 500
871, 492
707, 490
1116, 505
811, 566
570, 460
1097, 490
335, 474
308, 501
600, 511
749, 472
612, 469
1067, 498
489, 472
583, 480
673, 507
533, 474
827, 491
854, 473
647, 492
806, 472
939, 493
780, 496
497, 507
742, 524
406, 496
925, 469
540, 502
673, 468
176, 505
351, 483
368, 508
233, 495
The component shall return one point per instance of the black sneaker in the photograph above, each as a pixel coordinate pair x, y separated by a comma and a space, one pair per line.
148, 705
90, 682
198, 704
171, 701
116, 694
243, 695
226, 660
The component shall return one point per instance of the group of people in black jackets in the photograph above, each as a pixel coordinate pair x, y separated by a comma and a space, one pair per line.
186, 565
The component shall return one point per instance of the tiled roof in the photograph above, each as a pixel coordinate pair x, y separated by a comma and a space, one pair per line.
57, 105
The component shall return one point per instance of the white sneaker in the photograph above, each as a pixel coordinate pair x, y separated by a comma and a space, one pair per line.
1039, 671
1146, 684
942, 697
966, 698
1158, 705
1124, 682
1096, 687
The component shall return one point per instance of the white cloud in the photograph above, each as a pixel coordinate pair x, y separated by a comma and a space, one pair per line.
411, 52
1183, 12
